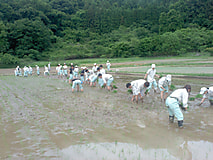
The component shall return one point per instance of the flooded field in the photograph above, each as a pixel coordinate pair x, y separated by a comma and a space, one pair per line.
42, 119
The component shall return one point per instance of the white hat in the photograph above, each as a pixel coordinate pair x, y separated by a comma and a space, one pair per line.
107, 61
169, 77
71, 64
64, 63
202, 90
76, 66
153, 65
94, 64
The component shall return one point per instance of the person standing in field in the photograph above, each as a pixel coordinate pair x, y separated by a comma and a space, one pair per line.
82, 74
93, 78
46, 72
178, 98
26, 70
65, 69
71, 73
49, 67
58, 68
107, 80
30, 71
108, 65
75, 72
150, 75
94, 68
207, 93
37, 70
163, 85
138, 88
102, 70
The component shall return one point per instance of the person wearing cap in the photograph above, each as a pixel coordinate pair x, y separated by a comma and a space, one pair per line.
18, 71
30, 70
108, 65
207, 93
107, 79
102, 70
93, 78
37, 70
138, 88
150, 75
58, 68
82, 74
94, 68
46, 72
26, 70
75, 72
87, 74
175, 100
65, 69
77, 82
71, 73
163, 85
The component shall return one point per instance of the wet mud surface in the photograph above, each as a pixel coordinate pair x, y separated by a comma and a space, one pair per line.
42, 119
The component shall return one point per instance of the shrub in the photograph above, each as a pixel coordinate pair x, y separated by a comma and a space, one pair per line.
9, 59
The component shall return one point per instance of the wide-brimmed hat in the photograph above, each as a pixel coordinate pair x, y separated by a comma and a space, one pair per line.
169, 77
202, 90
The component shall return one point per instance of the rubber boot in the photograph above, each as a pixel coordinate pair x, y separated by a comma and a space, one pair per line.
171, 119
180, 124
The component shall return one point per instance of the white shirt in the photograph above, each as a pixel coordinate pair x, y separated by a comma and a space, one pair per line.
94, 68
209, 93
37, 67
137, 86
25, 69
163, 82
30, 69
151, 75
102, 71
65, 67
108, 64
106, 77
182, 96
76, 70
46, 69
58, 68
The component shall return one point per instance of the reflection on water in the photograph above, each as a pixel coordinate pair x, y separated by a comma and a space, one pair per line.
199, 150
114, 151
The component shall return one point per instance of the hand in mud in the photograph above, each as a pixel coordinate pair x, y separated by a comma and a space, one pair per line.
199, 104
183, 108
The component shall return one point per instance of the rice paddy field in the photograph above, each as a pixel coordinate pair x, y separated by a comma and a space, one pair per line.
42, 119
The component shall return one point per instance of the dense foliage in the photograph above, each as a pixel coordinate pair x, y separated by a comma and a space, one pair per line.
65, 29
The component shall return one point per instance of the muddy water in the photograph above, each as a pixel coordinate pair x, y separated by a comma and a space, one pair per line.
42, 119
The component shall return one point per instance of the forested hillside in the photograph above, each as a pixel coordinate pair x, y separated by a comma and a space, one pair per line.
66, 29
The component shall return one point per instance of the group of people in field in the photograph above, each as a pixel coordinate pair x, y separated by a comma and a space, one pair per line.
176, 101
28, 70
79, 76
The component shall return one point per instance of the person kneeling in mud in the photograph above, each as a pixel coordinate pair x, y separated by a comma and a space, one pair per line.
78, 83
207, 93
138, 87
173, 102
107, 79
